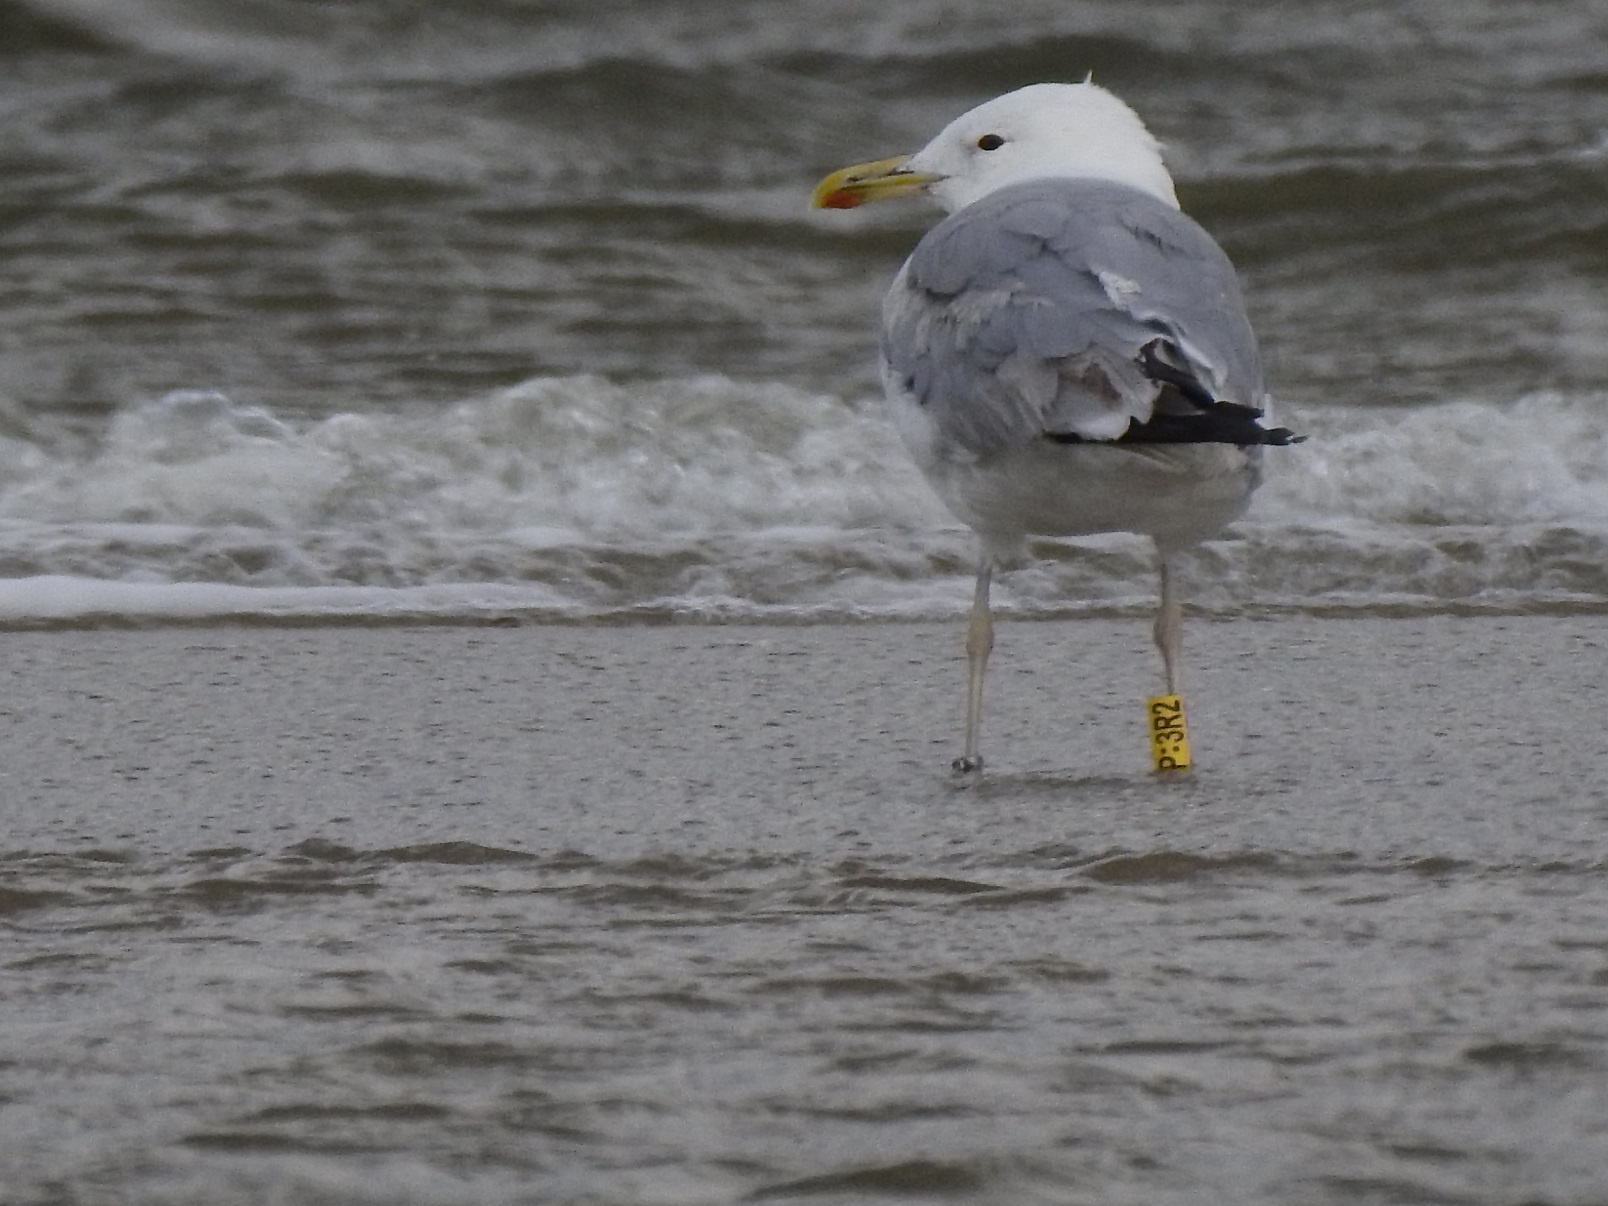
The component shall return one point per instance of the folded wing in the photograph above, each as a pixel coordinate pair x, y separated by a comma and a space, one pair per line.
1075, 311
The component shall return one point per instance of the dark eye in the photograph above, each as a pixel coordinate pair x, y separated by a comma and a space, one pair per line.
990, 142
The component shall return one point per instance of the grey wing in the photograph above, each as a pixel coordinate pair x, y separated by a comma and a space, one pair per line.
1036, 312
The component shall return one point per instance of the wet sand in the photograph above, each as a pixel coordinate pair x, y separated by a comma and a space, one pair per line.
1435, 730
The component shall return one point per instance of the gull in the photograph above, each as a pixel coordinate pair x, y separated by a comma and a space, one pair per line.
1065, 353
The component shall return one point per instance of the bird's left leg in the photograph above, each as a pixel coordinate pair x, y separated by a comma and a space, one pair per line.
1169, 630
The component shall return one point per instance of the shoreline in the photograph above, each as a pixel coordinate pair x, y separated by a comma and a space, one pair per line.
742, 616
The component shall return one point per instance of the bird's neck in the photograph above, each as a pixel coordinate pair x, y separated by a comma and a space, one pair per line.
1147, 175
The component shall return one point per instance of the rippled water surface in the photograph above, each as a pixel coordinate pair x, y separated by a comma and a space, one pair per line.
1013, 1019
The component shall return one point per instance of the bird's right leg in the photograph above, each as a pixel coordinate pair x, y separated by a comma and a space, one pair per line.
979, 643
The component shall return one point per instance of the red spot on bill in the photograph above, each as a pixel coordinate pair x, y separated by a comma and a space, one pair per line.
840, 199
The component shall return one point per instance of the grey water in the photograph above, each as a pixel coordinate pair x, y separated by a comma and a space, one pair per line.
327, 208
397, 295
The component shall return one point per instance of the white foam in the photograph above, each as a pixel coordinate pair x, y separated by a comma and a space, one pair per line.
580, 496
1540, 458
60, 598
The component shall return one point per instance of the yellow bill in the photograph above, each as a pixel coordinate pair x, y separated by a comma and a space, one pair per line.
875, 181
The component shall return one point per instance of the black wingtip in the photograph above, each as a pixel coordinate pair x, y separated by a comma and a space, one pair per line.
1212, 421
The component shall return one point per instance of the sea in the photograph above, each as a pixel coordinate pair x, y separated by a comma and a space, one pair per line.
518, 309
481, 670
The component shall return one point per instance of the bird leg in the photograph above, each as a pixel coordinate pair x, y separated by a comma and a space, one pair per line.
979, 643
1169, 630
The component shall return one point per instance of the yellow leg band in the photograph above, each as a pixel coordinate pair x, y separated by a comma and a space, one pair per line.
1169, 732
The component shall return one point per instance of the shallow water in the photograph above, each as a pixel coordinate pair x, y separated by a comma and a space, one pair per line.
442, 916
1014, 1019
